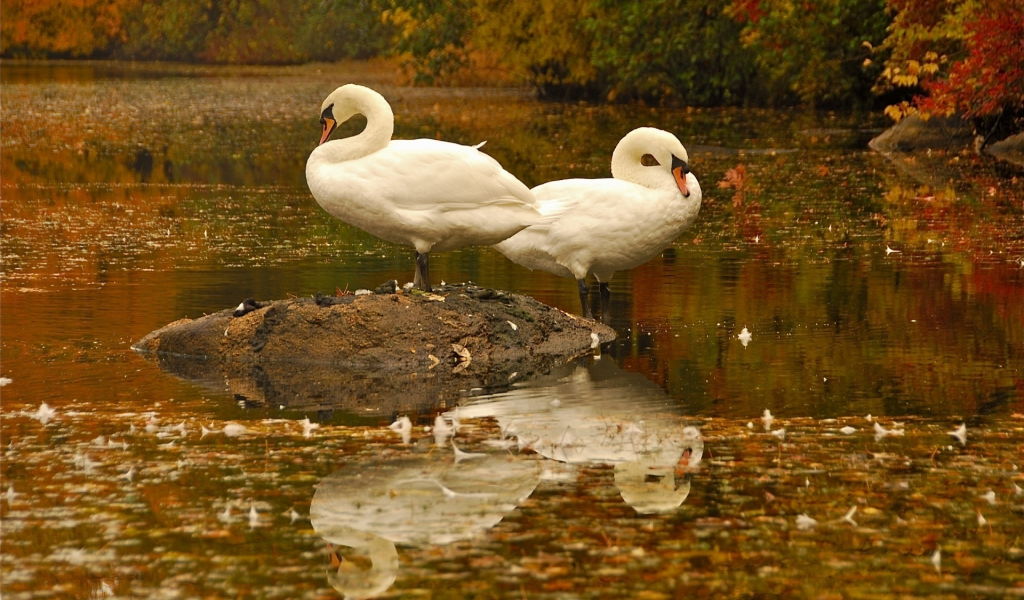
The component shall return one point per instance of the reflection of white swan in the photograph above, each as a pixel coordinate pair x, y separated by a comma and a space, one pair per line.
348, 578
601, 226
424, 499
650, 487
432, 195
601, 414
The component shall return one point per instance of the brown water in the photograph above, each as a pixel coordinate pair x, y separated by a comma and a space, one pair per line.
136, 195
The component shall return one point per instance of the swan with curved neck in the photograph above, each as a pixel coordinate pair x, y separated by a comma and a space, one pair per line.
431, 195
601, 226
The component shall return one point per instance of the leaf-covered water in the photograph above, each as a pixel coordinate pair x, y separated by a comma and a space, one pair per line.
136, 196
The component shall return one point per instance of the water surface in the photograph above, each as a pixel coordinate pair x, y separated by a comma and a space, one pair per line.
137, 195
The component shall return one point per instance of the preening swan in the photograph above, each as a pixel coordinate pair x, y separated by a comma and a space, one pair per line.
601, 226
431, 195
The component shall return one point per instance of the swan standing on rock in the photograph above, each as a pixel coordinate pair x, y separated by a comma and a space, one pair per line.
432, 195
601, 226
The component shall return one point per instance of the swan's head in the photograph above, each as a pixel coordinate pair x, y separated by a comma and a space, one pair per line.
647, 148
350, 100
356, 582
651, 487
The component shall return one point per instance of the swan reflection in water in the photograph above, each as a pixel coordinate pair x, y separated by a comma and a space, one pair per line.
413, 501
596, 414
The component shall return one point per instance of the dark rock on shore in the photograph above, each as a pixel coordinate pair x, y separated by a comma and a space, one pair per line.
373, 353
950, 135
914, 133
1011, 149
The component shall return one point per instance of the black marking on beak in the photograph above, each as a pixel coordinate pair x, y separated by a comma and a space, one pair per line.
677, 162
328, 122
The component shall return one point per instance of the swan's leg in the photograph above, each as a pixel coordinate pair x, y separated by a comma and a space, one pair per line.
423, 271
417, 277
585, 298
606, 303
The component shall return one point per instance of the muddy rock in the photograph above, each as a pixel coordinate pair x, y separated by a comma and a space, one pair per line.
1011, 149
914, 133
949, 135
377, 353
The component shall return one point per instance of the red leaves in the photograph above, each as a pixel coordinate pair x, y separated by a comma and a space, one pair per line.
747, 10
735, 178
992, 75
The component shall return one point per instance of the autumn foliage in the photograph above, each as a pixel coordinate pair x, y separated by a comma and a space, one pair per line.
210, 31
991, 77
74, 28
961, 57
934, 57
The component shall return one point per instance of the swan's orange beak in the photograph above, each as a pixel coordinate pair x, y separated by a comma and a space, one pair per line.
333, 558
684, 461
329, 125
679, 171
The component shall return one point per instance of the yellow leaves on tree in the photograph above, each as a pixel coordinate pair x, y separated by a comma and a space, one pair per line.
551, 47
73, 27
922, 35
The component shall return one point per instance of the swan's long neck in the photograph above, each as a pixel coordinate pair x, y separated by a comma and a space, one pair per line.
350, 100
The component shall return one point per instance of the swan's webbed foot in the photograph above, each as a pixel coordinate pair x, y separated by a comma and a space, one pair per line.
606, 303
585, 298
422, 278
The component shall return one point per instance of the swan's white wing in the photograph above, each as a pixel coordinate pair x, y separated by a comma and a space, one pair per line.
433, 195
603, 221
599, 226
618, 225
434, 175
533, 247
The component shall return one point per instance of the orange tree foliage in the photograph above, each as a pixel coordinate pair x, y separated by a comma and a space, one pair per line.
72, 28
217, 31
253, 31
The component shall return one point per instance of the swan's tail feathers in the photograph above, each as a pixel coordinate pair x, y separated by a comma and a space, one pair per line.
480, 145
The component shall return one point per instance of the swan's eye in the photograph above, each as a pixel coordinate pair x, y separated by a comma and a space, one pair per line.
648, 160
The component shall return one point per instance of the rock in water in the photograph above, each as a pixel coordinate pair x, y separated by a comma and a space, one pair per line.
373, 353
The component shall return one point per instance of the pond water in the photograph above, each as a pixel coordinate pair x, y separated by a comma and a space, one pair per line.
884, 300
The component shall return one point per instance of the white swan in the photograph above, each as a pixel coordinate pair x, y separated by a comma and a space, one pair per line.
601, 226
432, 195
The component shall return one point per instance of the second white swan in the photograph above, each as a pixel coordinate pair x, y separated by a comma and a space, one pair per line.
431, 195
601, 226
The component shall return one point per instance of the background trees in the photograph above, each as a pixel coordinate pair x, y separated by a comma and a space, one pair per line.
61, 28
206, 31
934, 57
962, 57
